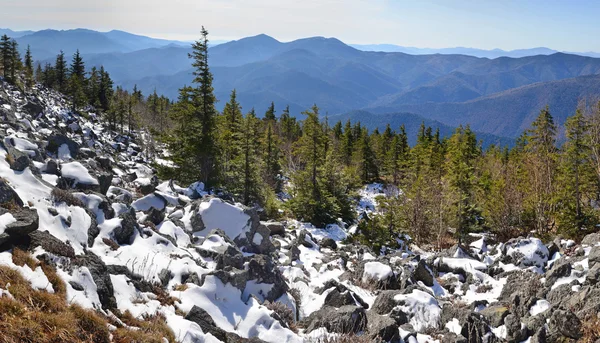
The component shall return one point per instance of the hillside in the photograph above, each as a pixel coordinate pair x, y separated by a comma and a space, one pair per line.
95, 248
510, 112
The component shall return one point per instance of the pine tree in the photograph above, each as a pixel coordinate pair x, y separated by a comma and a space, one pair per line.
230, 145
60, 73
29, 77
270, 114
249, 158
15, 64
39, 74
5, 51
105, 89
205, 112
541, 163
271, 156
77, 82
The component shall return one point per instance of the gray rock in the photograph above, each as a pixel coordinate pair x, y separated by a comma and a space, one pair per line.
423, 273
558, 271
294, 252
122, 233
476, 328
593, 275
50, 244
495, 314
514, 331
226, 256
155, 216
306, 239
276, 228
56, 141
17, 160
340, 296
100, 276
539, 336
591, 239
264, 270
565, 323
594, 256
385, 303
206, 323
328, 243
27, 221
8, 195
236, 277
105, 181
346, 319
382, 328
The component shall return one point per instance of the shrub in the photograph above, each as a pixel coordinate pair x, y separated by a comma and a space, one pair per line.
61, 195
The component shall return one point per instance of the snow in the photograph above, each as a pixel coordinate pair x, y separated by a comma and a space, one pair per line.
539, 307
422, 308
77, 172
36, 277
215, 243
148, 202
64, 154
530, 252
376, 271
454, 326
217, 214
5, 220
465, 264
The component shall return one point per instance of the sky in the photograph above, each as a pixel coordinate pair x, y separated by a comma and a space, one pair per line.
505, 24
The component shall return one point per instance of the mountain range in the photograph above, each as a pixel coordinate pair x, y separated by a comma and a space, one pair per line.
497, 96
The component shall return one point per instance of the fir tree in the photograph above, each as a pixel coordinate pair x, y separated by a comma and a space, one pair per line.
60, 73
270, 114
29, 77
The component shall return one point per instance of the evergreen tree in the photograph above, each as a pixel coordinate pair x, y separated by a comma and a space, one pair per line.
77, 82
105, 89
270, 114
15, 64
205, 113
29, 77
249, 158
230, 133
5, 51
39, 73
60, 73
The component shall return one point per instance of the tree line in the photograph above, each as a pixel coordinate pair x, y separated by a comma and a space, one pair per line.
439, 185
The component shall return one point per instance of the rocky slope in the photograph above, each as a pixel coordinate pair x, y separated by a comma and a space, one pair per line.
85, 199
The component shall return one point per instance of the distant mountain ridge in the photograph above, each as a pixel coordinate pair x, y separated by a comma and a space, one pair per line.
493, 53
496, 96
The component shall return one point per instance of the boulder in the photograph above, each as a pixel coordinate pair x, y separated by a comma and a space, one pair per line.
495, 314
104, 181
276, 228
514, 331
594, 256
52, 167
17, 160
263, 269
558, 271
591, 239
122, 233
27, 221
340, 296
50, 244
346, 319
8, 195
382, 328
328, 242
476, 328
565, 323
423, 273
101, 278
56, 141
221, 249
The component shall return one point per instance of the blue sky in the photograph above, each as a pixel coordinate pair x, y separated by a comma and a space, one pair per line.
562, 25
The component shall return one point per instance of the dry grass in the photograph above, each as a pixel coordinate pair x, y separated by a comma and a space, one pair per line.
151, 329
114, 246
343, 338
36, 316
591, 330
284, 312
181, 288
61, 195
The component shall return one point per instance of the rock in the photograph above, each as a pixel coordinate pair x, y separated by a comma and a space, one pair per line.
258, 240
34, 107
382, 328
56, 141
27, 221
100, 276
76, 286
385, 303
328, 242
236, 277
8, 195
104, 162
146, 189
591, 239
165, 276
423, 273
276, 228
122, 233
340, 296
514, 331
593, 275
539, 336
558, 271
206, 323
594, 256
105, 181
17, 160
559, 294
565, 323
155, 216
495, 314
346, 319
294, 252
305, 239
225, 255
50, 244
475, 328
262, 269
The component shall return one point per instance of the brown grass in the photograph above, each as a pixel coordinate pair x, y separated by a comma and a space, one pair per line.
36, 316
591, 330
284, 312
61, 195
343, 338
111, 244
151, 329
